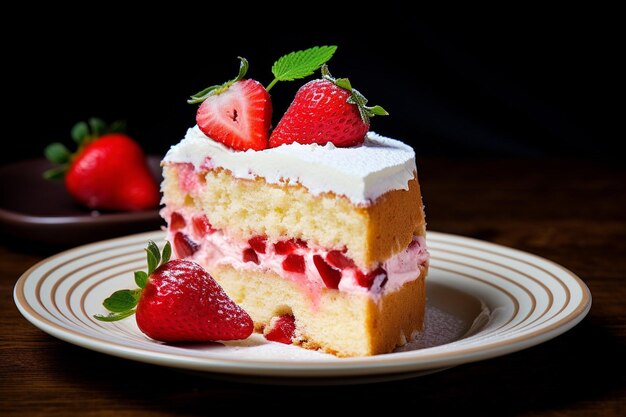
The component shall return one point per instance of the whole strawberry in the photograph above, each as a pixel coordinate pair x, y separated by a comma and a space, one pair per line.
326, 110
178, 301
108, 171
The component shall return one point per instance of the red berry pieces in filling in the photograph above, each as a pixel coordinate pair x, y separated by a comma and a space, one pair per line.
185, 247
258, 243
285, 247
201, 226
366, 280
281, 329
177, 221
330, 275
339, 260
249, 255
294, 263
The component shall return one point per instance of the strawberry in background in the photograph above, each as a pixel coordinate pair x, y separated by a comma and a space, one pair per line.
108, 171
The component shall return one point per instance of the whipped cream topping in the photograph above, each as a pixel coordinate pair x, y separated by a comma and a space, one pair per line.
361, 173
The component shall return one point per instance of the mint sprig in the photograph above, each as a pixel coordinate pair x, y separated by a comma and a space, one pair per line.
122, 303
356, 97
219, 88
300, 64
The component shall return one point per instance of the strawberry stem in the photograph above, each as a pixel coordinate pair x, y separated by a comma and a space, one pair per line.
220, 88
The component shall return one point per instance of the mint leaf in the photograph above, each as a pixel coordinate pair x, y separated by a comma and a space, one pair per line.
300, 64
115, 316
122, 301
57, 153
141, 278
167, 253
80, 132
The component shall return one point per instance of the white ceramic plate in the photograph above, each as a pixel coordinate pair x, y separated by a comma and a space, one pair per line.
484, 300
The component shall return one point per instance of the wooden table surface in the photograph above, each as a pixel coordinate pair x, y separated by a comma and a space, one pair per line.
572, 212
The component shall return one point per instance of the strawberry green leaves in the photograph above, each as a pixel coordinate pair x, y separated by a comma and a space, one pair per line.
300, 64
220, 88
122, 303
356, 97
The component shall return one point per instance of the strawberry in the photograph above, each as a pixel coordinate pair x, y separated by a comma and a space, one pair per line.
237, 113
294, 263
281, 329
367, 280
338, 260
178, 301
177, 221
184, 246
285, 247
326, 110
108, 172
258, 243
249, 255
202, 226
330, 275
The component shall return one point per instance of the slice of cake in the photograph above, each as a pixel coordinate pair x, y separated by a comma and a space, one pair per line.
331, 236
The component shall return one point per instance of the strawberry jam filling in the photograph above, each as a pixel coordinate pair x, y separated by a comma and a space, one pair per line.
312, 266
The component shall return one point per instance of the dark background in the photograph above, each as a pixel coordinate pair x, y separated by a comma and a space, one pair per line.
507, 87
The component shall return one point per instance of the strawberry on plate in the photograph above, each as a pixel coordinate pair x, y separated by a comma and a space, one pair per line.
237, 113
108, 171
178, 301
326, 110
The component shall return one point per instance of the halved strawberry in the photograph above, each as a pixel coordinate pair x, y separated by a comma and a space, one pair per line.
237, 113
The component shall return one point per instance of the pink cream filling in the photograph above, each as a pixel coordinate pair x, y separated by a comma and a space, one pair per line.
194, 238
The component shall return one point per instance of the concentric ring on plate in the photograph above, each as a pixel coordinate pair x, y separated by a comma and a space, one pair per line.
530, 300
